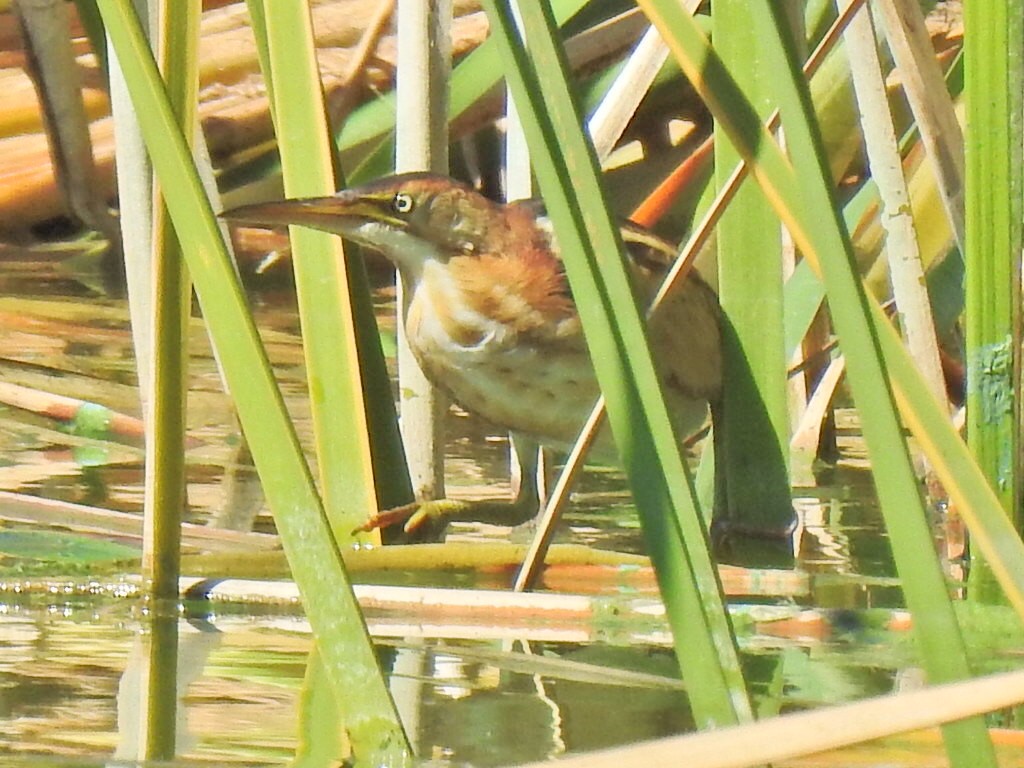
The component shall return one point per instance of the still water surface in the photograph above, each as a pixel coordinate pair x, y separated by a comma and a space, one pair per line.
71, 664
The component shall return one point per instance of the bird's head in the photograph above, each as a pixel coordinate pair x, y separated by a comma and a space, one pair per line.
410, 218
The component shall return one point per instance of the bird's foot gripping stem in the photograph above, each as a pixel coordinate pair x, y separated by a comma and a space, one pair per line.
427, 519
417, 516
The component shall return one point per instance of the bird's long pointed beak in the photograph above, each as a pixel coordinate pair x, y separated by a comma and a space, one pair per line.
331, 214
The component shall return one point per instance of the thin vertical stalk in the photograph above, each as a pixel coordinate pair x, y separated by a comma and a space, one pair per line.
750, 278
518, 170
46, 31
529, 462
158, 736
424, 64
421, 144
567, 174
171, 303
135, 204
797, 386
148, 692
993, 43
167, 358
904, 257
930, 102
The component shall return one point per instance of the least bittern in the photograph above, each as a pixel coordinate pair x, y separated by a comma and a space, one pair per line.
491, 319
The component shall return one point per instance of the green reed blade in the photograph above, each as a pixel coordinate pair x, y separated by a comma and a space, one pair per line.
348, 655
804, 200
976, 502
993, 42
936, 629
749, 241
992, 532
328, 314
568, 177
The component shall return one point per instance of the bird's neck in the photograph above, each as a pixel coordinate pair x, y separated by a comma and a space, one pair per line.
407, 252
510, 282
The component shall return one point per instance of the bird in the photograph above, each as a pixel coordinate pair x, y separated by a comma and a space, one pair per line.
491, 318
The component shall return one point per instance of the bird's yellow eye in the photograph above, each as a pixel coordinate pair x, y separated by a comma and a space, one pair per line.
402, 203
